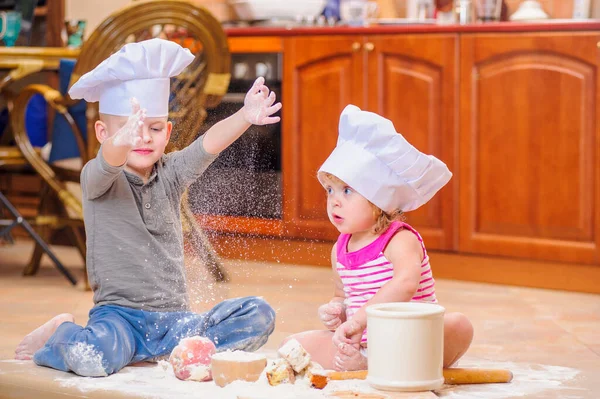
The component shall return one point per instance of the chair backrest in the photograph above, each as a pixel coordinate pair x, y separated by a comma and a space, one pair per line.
200, 86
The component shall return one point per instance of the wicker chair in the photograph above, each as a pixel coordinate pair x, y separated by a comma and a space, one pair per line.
202, 85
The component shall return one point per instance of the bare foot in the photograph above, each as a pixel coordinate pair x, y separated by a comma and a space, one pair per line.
38, 337
349, 358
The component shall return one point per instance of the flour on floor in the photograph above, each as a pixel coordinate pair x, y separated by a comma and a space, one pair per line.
157, 381
528, 379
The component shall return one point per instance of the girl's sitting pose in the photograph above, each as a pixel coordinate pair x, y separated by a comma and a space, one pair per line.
371, 177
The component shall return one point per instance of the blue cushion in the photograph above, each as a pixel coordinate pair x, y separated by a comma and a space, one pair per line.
36, 121
64, 144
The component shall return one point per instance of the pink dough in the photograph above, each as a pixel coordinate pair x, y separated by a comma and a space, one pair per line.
191, 359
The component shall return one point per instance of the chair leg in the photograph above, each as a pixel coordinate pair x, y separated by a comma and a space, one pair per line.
36, 258
7, 238
39, 241
77, 236
45, 234
5, 235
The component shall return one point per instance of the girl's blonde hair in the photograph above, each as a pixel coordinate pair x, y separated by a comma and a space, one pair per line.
382, 219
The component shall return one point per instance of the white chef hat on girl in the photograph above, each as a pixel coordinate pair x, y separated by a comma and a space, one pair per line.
141, 70
377, 162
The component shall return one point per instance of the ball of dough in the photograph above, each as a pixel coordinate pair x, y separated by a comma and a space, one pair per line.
191, 359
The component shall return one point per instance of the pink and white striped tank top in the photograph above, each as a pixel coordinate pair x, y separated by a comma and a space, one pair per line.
365, 271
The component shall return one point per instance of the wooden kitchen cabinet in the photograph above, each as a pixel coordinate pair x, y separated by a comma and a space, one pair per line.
409, 79
529, 146
321, 76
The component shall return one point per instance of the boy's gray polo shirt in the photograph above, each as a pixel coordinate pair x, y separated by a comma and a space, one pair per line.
134, 233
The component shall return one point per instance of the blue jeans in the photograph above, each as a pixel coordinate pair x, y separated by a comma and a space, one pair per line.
117, 336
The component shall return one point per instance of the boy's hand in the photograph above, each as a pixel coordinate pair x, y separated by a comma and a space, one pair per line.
130, 135
258, 104
348, 333
331, 314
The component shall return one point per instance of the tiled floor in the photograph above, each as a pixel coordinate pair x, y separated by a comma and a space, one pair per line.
549, 339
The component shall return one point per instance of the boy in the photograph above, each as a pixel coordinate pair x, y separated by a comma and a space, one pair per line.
131, 202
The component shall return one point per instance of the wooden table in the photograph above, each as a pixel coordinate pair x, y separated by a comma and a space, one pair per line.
23, 61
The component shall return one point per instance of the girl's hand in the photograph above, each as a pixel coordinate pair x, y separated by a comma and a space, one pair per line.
349, 358
130, 135
331, 313
258, 104
348, 333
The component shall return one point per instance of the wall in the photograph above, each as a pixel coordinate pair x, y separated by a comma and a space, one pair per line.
554, 8
95, 11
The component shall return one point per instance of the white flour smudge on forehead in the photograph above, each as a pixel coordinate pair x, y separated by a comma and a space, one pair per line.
528, 379
158, 381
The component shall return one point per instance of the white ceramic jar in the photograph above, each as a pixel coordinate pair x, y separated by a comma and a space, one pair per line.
405, 346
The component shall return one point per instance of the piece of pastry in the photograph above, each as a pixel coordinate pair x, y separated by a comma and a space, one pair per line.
295, 355
279, 371
313, 367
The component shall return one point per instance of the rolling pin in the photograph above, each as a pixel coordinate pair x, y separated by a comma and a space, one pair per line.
452, 376
456, 376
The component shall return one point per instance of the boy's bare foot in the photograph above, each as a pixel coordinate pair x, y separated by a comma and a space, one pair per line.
349, 358
38, 337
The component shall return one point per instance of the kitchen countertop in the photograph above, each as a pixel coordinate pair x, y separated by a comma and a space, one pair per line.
497, 27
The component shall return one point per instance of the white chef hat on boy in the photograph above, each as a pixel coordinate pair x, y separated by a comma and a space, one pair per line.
141, 70
377, 162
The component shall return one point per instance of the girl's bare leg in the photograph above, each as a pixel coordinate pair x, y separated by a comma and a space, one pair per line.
458, 334
319, 346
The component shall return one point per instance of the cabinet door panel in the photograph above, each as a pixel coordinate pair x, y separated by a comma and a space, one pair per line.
529, 139
411, 80
321, 76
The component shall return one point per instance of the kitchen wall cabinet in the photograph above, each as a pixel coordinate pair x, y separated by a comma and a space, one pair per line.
321, 76
409, 79
514, 115
529, 146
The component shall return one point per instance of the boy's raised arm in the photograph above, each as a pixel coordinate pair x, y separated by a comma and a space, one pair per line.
99, 174
259, 105
189, 163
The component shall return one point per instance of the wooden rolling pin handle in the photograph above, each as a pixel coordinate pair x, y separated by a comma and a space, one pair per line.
348, 375
454, 376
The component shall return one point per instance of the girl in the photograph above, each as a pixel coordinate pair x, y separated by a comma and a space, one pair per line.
371, 177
